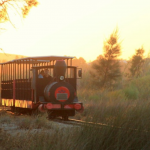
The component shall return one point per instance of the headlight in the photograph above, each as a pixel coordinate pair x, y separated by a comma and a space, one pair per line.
61, 77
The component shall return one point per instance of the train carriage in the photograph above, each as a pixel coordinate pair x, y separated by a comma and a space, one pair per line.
23, 90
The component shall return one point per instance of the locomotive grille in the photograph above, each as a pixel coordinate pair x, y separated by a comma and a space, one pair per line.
62, 96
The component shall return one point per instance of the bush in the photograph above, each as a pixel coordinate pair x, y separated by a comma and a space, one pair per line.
131, 92
143, 87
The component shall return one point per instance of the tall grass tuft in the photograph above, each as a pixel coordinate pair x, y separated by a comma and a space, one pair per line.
33, 123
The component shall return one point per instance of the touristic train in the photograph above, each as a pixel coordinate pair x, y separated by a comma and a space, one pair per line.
46, 83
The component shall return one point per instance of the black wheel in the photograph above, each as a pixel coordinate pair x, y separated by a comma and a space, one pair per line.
29, 112
12, 108
17, 111
65, 118
51, 115
35, 112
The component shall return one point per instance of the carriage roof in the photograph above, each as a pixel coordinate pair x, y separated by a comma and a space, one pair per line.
38, 59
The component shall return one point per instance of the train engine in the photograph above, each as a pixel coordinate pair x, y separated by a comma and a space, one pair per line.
57, 95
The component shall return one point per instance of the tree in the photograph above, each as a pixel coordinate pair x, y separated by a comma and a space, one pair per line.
137, 62
79, 62
106, 68
22, 7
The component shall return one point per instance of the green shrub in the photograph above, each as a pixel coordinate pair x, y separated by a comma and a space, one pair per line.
131, 92
116, 95
143, 87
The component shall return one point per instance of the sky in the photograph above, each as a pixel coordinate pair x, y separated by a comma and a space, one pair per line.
78, 28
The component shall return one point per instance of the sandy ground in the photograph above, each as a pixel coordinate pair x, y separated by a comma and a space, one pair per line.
12, 128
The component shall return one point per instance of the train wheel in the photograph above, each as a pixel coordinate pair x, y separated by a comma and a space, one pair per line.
65, 118
12, 108
17, 111
51, 115
35, 112
29, 112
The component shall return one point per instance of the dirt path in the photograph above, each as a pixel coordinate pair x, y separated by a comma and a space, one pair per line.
21, 124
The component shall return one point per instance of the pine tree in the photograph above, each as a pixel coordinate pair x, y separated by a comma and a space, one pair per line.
107, 67
137, 62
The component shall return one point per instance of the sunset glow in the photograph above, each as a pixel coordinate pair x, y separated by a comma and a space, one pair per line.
78, 28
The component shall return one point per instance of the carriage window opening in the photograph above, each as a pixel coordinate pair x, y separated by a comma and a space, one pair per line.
31, 74
41, 73
21, 72
45, 72
51, 72
4, 73
69, 73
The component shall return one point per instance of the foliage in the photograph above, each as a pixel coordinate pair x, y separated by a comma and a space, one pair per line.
124, 122
123, 125
146, 65
106, 69
131, 92
27, 6
8, 6
137, 62
143, 86
80, 62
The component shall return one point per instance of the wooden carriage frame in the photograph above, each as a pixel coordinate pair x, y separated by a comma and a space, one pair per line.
16, 90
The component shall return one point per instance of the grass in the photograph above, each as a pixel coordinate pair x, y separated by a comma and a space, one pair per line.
129, 130
41, 140
127, 125
125, 113
25, 122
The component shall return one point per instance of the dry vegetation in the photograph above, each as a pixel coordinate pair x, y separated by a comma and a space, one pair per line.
123, 109
128, 128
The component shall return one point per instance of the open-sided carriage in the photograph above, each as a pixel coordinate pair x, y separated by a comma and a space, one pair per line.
23, 90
